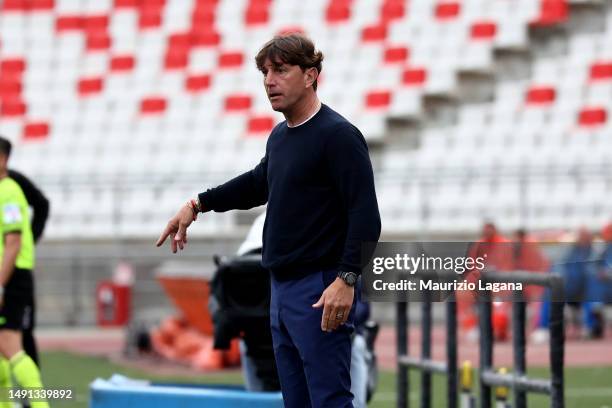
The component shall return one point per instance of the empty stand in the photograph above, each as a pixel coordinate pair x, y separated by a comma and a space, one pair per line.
116, 90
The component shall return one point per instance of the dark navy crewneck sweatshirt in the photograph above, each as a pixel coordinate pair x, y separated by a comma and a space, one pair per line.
318, 182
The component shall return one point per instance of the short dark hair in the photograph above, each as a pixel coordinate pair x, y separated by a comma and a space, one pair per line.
293, 49
5, 146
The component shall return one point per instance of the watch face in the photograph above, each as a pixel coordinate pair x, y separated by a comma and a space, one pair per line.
350, 278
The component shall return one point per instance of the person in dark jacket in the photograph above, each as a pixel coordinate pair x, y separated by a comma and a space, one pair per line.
317, 179
599, 287
40, 212
576, 268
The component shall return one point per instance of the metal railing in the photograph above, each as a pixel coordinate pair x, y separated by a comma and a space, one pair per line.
518, 381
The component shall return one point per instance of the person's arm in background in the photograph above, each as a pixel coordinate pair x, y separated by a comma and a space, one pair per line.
246, 191
36, 199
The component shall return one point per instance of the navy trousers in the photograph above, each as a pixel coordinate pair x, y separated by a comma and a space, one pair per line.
313, 365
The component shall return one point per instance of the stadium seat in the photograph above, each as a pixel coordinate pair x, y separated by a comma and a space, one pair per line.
592, 116
540, 95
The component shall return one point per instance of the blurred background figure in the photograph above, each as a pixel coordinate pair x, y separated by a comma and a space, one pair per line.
527, 254
495, 249
490, 234
599, 287
39, 206
578, 268
16, 284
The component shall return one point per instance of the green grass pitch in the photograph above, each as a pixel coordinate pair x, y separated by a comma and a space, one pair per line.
586, 387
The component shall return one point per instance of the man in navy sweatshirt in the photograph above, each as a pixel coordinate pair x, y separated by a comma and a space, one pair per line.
317, 179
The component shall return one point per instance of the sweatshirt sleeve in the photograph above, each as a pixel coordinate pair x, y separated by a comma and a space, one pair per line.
351, 170
246, 191
36, 199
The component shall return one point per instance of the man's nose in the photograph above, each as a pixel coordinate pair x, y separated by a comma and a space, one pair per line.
269, 79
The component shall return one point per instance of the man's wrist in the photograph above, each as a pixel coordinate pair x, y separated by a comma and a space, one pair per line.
349, 278
192, 206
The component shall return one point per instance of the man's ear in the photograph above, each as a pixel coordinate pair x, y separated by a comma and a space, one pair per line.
310, 76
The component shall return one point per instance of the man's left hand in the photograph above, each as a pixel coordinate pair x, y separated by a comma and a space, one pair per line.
337, 300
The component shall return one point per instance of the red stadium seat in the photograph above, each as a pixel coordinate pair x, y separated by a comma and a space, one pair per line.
414, 77
122, 63
42, 5
98, 42
203, 15
257, 12
90, 86
396, 55
374, 33
392, 10
483, 30
10, 87
176, 58
338, 11
260, 124
378, 99
152, 105
540, 96
256, 16
230, 59
95, 23
552, 12
150, 17
152, 3
291, 29
180, 40
592, 116
197, 83
27, 5
237, 103
35, 131
12, 108
68, 23
15, 5
12, 67
177, 54
126, 3
447, 10
205, 37
601, 71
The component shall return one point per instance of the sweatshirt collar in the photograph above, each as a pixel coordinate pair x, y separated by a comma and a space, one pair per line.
310, 117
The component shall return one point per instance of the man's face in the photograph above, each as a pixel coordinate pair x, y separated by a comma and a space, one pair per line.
585, 238
488, 231
285, 84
